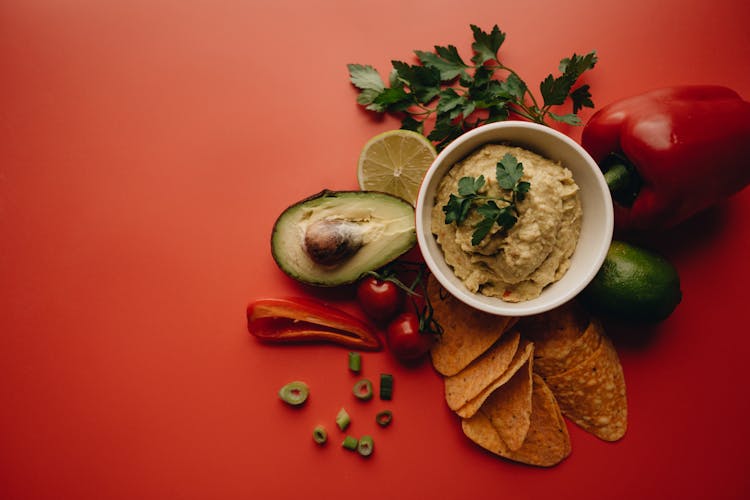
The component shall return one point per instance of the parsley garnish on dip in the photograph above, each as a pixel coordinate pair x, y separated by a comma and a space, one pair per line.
507, 221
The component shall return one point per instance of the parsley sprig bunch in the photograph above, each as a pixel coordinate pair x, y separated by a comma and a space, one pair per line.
461, 96
508, 173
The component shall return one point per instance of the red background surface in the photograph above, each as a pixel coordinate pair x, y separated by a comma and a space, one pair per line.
146, 148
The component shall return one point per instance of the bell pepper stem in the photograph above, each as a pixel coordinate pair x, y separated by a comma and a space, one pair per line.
617, 177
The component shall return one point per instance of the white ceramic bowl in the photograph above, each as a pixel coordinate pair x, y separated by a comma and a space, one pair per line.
596, 228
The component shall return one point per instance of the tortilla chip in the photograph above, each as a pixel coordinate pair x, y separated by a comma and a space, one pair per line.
547, 442
469, 382
480, 430
554, 334
585, 347
467, 332
560, 357
523, 355
509, 407
592, 394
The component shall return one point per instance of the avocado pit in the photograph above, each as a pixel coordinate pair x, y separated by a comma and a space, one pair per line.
331, 242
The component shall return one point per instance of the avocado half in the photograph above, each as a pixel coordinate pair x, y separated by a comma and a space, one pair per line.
334, 237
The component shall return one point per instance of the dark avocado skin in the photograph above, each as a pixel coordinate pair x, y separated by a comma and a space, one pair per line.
287, 250
634, 285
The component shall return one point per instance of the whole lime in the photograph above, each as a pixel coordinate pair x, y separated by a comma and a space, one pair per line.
634, 284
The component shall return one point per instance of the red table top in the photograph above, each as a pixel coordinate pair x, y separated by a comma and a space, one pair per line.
148, 147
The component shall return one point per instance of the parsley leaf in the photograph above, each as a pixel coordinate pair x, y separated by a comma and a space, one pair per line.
365, 77
555, 90
457, 209
459, 95
447, 60
581, 98
468, 186
482, 229
486, 45
575, 65
392, 99
423, 81
570, 118
508, 172
409, 123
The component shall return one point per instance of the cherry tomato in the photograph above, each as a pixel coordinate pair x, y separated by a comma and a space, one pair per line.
405, 340
380, 299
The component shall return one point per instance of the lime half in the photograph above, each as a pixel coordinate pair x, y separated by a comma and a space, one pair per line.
395, 162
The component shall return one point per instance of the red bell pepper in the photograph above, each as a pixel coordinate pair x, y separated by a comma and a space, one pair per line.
670, 153
307, 320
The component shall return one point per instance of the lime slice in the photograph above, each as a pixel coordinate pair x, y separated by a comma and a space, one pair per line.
395, 162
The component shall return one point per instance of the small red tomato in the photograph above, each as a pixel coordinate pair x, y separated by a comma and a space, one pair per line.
405, 340
381, 300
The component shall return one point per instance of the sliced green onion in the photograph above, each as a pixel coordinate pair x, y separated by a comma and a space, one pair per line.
384, 418
366, 446
350, 443
342, 419
355, 362
320, 435
363, 389
386, 386
294, 393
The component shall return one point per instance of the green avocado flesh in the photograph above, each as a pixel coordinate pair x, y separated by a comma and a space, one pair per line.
334, 237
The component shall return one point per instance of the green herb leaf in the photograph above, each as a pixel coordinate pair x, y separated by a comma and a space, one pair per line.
555, 90
392, 99
570, 118
506, 219
576, 65
497, 113
366, 98
468, 186
444, 132
446, 90
492, 214
365, 77
423, 81
481, 229
457, 209
521, 189
486, 45
581, 98
447, 60
450, 100
508, 171
409, 123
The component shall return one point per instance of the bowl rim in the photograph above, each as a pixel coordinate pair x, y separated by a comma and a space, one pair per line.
500, 307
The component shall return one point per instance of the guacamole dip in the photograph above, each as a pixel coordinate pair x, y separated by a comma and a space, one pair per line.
515, 264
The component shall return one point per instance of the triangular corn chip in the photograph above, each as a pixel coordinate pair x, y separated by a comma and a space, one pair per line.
592, 394
467, 332
469, 382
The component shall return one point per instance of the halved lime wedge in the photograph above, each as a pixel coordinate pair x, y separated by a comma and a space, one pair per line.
395, 162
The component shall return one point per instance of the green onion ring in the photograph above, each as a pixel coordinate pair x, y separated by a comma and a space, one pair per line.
294, 393
363, 389
366, 446
320, 435
383, 418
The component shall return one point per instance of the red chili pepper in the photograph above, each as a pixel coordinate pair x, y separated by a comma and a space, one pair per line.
307, 320
670, 153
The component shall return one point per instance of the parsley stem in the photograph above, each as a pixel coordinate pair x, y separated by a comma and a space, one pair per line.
483, 197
